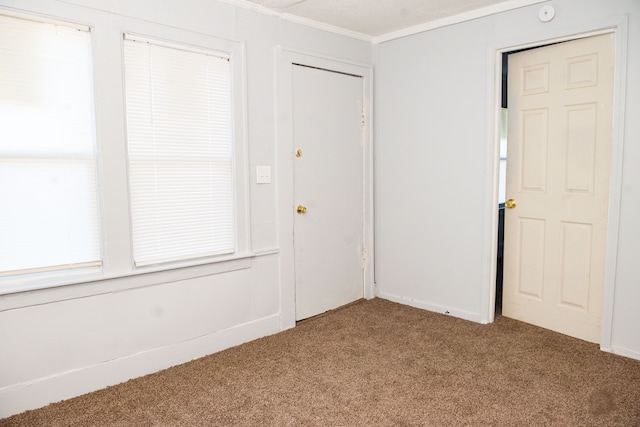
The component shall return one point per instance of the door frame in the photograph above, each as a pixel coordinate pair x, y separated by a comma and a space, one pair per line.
285, 59
618, 26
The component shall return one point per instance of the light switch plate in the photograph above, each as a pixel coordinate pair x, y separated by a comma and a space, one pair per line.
263, 174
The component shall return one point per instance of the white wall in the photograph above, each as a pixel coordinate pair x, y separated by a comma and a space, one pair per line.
435, 156
61, 342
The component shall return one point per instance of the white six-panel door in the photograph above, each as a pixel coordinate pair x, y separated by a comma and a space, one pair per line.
328, 187
558, 167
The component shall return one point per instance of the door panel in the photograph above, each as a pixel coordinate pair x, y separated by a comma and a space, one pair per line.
580, 150
328, 181
558, 160
575, 264
531, 259
534, 150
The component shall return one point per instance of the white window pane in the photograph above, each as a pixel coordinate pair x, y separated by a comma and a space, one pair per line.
45, 89
503, 132
502, 188
48, 215
180, 153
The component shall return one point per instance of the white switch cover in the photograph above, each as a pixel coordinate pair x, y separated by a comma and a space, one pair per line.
263, 174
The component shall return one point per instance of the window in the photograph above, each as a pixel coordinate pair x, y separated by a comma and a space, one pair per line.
503, 155
179, 136
48, 199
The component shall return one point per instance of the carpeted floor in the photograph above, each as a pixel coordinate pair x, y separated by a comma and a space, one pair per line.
376, 363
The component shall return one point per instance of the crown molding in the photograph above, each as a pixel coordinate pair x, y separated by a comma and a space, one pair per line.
326, 27
455, 19
299, 20
420, 28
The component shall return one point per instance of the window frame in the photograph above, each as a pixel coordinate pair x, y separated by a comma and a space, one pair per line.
184, 39
118, 271
80, 267
132, 40
236, 51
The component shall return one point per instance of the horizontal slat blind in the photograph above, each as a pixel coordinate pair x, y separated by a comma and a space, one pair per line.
180, 152
48, 200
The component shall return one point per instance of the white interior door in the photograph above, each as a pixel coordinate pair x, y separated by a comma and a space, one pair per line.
328, 183
558, 167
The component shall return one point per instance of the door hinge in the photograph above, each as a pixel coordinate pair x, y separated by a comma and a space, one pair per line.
362, 117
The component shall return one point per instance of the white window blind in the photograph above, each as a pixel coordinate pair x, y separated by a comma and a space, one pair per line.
180, 152
48, 207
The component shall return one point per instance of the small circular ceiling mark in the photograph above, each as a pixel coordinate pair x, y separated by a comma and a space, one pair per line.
546, 13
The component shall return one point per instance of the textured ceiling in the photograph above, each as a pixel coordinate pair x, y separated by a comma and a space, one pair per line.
374, 17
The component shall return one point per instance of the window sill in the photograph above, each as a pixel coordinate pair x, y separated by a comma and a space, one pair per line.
17, 293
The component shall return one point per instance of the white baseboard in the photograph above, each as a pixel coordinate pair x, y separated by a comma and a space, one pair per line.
43, 391
631, 354
425, 305
475, 317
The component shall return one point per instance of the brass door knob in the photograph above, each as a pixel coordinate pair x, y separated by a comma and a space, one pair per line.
301, 209
511, 203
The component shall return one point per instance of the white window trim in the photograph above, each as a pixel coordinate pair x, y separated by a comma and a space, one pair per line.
145, 136
58, 285
236, 52
89, 283
44, 19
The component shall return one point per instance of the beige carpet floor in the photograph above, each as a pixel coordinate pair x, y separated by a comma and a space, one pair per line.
376, 363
